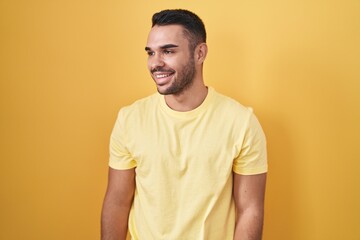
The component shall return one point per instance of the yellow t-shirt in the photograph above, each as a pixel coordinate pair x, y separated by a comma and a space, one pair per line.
184, 165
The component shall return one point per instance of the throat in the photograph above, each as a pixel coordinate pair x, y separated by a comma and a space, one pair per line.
186, 101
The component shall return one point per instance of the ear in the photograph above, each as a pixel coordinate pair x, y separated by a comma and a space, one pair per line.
200, 53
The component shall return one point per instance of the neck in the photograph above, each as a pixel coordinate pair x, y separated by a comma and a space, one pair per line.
188, 100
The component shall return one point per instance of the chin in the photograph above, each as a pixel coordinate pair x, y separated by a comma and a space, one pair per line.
163, 91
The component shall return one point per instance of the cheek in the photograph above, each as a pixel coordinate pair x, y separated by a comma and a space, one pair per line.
174, 63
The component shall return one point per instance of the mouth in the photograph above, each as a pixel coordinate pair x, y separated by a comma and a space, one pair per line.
162, 78
162, 75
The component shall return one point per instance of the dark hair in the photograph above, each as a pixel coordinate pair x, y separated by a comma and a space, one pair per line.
194, 26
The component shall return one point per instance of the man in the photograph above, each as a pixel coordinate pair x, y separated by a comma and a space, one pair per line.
186, 162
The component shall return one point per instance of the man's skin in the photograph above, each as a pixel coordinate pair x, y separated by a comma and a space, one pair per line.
249, 193
117, 203
168, 49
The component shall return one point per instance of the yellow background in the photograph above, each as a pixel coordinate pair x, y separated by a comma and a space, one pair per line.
68, 66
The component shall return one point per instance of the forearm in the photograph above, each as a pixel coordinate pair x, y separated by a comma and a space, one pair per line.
249, 225
114, 221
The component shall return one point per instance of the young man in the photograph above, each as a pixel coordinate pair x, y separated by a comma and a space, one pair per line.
186, 162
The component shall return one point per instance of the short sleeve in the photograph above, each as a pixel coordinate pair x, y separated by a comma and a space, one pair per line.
252, 158
120, 157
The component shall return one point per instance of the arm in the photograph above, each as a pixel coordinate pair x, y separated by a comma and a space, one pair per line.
117, 204
249, 193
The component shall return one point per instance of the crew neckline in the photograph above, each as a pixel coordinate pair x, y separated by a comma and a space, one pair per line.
190, 113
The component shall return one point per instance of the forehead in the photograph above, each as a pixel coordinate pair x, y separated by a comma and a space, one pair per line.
162, 35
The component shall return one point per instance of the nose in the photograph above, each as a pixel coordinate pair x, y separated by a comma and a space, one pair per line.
156, 61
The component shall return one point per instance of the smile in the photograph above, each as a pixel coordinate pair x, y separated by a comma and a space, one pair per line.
163, 75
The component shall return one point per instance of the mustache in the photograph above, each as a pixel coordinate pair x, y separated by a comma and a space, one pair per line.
161, 69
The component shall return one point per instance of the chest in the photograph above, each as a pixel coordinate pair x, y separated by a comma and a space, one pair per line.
178, 146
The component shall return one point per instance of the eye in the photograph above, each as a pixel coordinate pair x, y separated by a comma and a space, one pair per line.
167, 52
150, 53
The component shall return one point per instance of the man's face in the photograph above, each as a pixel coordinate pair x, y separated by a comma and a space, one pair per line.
170, 61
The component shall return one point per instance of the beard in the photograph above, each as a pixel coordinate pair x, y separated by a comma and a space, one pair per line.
183, 81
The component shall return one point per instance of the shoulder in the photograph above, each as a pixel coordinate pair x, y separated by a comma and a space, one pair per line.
139, 108
231, 106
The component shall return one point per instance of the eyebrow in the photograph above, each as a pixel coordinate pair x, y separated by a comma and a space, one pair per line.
163, 47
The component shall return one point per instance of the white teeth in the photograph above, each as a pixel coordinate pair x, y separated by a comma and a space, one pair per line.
162, 75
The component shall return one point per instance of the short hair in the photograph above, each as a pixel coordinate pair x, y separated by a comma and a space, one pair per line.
194, 27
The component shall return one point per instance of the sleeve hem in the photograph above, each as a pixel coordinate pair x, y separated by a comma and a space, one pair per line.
252, 171
122, 166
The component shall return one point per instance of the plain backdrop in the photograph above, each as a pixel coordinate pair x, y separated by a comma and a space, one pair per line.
67, 67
